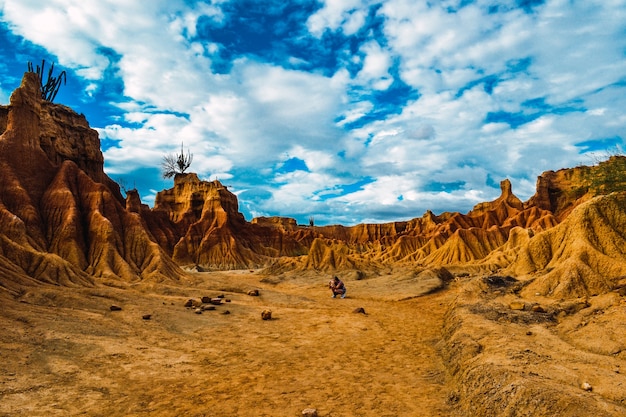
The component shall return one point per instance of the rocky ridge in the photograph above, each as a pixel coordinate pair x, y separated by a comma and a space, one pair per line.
65, 221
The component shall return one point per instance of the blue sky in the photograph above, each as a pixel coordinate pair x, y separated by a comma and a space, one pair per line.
349, 111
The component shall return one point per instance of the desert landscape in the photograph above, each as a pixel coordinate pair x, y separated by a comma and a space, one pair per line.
113, 308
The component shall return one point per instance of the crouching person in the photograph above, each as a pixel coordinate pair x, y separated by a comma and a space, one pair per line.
337, 287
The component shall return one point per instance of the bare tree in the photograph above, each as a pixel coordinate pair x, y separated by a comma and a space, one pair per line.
176, 163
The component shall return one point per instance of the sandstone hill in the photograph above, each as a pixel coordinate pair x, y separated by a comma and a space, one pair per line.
62, 219
65, 221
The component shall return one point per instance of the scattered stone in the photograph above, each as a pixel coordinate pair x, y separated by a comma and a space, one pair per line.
216, 301
115, 308
206, 299
359, 310
586, 386
193, 303
226, 312
538, 309
309, 412
207, 308
253, 293
227, 300
146, 316
529, 333
266, 314
221, 296
198, 311
498, 281
517, 305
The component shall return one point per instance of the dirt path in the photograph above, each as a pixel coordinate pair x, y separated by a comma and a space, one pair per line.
67, 354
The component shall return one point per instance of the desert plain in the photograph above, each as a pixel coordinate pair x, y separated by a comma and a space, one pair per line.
67, 353
390, 348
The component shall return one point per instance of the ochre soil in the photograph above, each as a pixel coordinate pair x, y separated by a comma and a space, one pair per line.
416, 350
63, 352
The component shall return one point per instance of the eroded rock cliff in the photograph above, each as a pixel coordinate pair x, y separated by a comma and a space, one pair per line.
65, 221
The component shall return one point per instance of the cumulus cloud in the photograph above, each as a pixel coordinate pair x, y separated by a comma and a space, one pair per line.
394, 107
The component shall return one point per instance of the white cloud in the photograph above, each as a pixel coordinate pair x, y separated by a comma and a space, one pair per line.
335, 14
504, 94
375, 69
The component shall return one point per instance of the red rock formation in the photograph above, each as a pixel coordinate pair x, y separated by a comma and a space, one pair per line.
198, 223
63, 220
585, 255
561, 191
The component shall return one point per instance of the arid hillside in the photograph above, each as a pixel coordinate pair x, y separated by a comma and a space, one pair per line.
58, 207
514, 308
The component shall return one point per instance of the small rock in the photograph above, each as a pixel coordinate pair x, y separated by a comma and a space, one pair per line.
586, 386
309, 412
359, 310
529, 333
226, 312
538, 309
216, 301
266, 314
146, 316
206, 308
227, 300
253, 293
115, 308
206, 299
517, 305
198, 311
193, 303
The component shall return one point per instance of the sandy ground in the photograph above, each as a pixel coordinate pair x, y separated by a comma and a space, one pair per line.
63, 352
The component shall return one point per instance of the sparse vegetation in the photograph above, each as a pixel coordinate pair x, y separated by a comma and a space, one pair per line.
609, 175
50, 89
176, 163
123, 184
